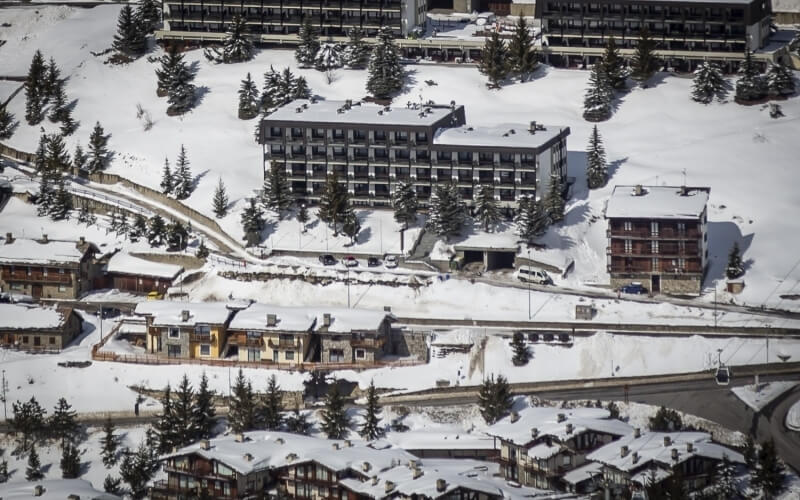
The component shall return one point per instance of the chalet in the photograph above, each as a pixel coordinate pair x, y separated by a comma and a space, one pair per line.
437, 444
133, 274
37, 328
638, 459
539, 445
272, 334
657, 235
46, 268
352, 335
55, 489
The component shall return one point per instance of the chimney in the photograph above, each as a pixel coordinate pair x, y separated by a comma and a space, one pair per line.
81, 240
387, 309
348, 103
9, 238
374, 480
635, 457
413, 464
38, 490
637, 433
335, 446
561, 417
44, 238
280, 441
416, 474
667, 441
569, 428
248, 457
239, 437
326, 319
298, 110
441, 485
684, 191
689, 447
623, 451
675, 453
534, 432
205, 444
291, 457
365, 466
389, 486
272, 320
638, 190
185, 315
514, 416
532, 128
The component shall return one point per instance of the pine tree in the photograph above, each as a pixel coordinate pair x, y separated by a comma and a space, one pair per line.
70, 461
220, 201
486, 210
53, 85
79, 158
109, 444
85, 216
252, 223
167, 182
335, 422
328, 57
768, 477
447, 212
205, 415
3, 468
183, 184
248, 99
177, 236
7, 122
666, 420
309, 44
494, 398
156, 231
780, 81
123, 227
277, 195
356, 53
333, 202
236, 46
726, 486
494, 60
111, 484
139, 228
34, 92
735, 268
405, 203
521, 352
522, 57
614, 66
300, 89
33, 472
149, 15
302, 216
63, 423
596, 168
170, 62
58, 159
707, 83
273, 406
272, 95
130, 38
749, 453
370, 430
242, 415
166, 424
98, 150
181, 90
40, 162
202, 250
46, 195
184, 413
27, 424
138, 468
554, 203
531, 219
351, 225
68, 124
644, 63
298, 422
61, 203
751, 85
385, 73
597, 100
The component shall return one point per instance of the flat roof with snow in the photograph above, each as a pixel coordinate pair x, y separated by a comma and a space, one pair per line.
26, 251
21, 317
657, 202
358, 113
55, 489
512, 136
125, 263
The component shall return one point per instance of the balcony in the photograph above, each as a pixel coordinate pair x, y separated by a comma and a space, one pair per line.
165, 489
368, 343
662, 234
37, 277
203, 338
283, 344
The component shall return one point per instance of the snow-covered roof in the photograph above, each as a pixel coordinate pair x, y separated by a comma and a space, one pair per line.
21, 317
657, 202
348, 320
55, 489
169, 313
543, 451
433, 439
125, 263
536, 422
583, 473
335, 112
288, 319
652, 447
27, 251
515, 135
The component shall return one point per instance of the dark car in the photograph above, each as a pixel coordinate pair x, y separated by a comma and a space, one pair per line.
327, 259
373, 262
634, 288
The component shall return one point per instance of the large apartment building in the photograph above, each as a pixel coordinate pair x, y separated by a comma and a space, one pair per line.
657, 235
372, 148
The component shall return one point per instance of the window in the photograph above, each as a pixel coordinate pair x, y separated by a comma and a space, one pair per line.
338, 133
360, 354
464, 156
681, 228
253, 355
62, 288
359, 135
174, 333
29, 271
422, 137
297, 132
653, 247
654, 265
205, 349
566, 460
174, 351
298, 150
323, 474
52, 340
380, 135
627, 225
318, 133
289, 355
275, 356
275, 131
336, 356
277, 149
61, 271
401, 136
37, 341
654, 228
628, 246
44, 272
24, 339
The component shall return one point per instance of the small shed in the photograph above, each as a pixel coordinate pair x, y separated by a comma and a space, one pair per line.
735, 286
134, 274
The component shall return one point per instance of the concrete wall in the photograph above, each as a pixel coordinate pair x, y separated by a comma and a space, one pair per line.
670, 284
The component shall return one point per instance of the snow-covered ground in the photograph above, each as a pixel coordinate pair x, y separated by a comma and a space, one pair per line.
759, 396
793, 417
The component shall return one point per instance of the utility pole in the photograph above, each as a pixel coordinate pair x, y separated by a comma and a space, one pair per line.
529, 284
348, 287
4, 387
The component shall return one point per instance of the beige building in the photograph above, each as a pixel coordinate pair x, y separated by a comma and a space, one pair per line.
34, 328
273, 334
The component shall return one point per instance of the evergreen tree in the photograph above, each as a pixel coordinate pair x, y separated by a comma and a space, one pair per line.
149, 15
405, 203
707, 83
33, 472
302, 216
486, 210
768, 477
236, 46
521, 352
63, 424
751, 85
273, 94
596, 168
273, 406
531, 219
27, 424
123, 227
666, 420
138, 468
52, 81
202, 250
98, 149
597, 100
7, 122
220, 200
40, 161
68, 124
333, 202
139, 228
735, 267
130, 38
170, 62
242, 415
614, 66
61, 202
184, 413
3, 468
522, 57
554, 202
749, 453
177, 236
780, 81
385, 73
370, 430
300, 89
156, 231
494, 60
644, 62
328, 57
351, 225
85, 216
277, 195
166, 424
109, 444
46, 196
70, 461
494, 398
58, 159
613, 410
183, 184
726, 487
111, 484
447, 212
335, 422
252, 223
356, 53
205, 415
79, 158
298, 422
34, 90
181, 90
307, 49
167, 182
248, 99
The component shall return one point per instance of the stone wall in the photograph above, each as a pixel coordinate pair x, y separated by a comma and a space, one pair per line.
182, 340
670, 284
185, 261
406, 343
330, 342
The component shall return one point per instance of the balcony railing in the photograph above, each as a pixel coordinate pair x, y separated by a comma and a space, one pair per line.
200, 337
663, 233
368, 343
37, 277
283, 344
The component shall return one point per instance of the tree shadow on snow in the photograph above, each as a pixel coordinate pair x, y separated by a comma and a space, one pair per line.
657, 79
87, 330
722, 235
200, 94
198, 177
410, 80
614, 166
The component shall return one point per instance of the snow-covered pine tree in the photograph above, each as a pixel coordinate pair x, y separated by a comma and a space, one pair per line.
181, 90
252, 223
202, 250
205, 415
751, 85
356, 53
726, 485
328, 57
79, 158
123, 226
596, 168
522, 57
335, 422
597, 100
40, 160
70, 461
7, 122
531, 219
494, 398
521, 352
167, 180
111, 484
184, 409
644, 62
156, 231
130, 37
34, 90
68, 124
170, 61
447, 212
385, 73
248, 99
277, 195
780, 81
735, 267
333, 202
236, 46
149, 14
307, 49
109, 444
614, 66
554, 202
33, 471
63, 423
61, 203
138, 468
165, 425
138, 229
708, 83
273, 405
177, 236
220, 200
58, 159
486, 210
3, 468
52, 84
405, 203
46, 194
351, 226
769, 474
370, 429
270, 97
98, 150
300, 89
298, 422
494, 60
183, 182
242, 415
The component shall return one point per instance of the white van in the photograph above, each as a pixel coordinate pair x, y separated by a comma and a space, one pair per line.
533, 275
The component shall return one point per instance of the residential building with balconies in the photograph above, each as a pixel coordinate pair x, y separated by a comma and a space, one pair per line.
34, 328
351, 336
371, 149
271, 334
657, 235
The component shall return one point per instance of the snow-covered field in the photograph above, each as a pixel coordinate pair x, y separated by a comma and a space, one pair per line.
758, 396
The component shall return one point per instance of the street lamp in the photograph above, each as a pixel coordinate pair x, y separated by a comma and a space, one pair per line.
347, 280
529, 284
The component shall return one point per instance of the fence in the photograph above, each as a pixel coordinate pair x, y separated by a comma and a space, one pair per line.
108, 202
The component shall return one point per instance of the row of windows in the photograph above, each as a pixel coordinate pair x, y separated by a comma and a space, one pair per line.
421, 154
29, 270
20, 287
37, 340
653, 9
175, 332
338, 133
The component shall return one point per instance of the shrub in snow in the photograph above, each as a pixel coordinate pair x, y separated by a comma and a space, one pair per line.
666, 420
768, 476
333, 202
33, 471
494, 60
521, 352
328, 57
351, 225
7, 123
708, 83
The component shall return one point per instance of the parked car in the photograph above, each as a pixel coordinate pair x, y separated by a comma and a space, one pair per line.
373, 262
390, 262
327, 259
634, 288
154, 295
534, 275
350, 261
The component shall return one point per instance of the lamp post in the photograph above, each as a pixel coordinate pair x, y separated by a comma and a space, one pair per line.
529, 284
4, 388
347, 280
181, 249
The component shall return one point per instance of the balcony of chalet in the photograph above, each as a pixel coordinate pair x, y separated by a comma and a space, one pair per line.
36, 276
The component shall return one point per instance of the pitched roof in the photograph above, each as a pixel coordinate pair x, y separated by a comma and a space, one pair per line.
125, 263
349, 320
23, 317
288, 319
169, 313
657, 202
27, 251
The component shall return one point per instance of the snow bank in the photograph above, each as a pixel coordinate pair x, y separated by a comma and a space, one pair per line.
759, 396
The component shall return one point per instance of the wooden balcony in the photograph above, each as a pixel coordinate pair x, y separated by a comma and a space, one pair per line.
203, 338
663, 234
37, 277
375, 343
284, 344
